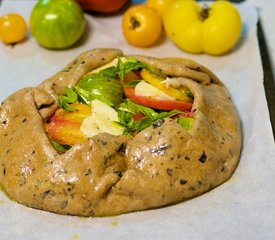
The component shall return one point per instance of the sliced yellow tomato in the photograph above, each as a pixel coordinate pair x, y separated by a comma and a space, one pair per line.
65, 132
64, 126
156, 82
81, 111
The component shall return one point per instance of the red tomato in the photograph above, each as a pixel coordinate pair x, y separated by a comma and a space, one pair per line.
102, 6
156, 103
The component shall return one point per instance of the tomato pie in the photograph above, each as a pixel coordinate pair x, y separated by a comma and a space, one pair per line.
113, 133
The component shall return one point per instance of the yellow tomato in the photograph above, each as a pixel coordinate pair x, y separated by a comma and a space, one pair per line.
194, 28
141, 26
156, 82
13, 28
159, 5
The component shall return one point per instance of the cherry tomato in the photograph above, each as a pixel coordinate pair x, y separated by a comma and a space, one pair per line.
159, 5
156, 103
141, 26
13, 28
102, 6
195, 28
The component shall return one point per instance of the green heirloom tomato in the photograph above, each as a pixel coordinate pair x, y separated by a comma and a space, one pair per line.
103, 87
57, 24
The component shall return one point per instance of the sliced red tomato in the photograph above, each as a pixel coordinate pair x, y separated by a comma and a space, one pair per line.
186, 114
167, 105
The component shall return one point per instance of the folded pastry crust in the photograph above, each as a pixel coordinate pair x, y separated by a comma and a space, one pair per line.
110, 175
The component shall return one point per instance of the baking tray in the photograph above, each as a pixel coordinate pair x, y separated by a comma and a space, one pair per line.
269, 81
242, 208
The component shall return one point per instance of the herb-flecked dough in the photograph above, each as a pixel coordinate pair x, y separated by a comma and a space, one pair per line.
110, 175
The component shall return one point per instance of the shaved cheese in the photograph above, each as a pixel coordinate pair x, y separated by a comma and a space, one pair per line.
102, 119
147, 90
113, 63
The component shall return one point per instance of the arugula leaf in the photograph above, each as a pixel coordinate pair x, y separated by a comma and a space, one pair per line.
156, 71
59, 147
188, 93
129, 65
128, 109
147, 121
110, 72
132, 83
185, 122
168, 114
104, 86
71, 97
125, 118
144, 123
87, 96
63, 103
136, 108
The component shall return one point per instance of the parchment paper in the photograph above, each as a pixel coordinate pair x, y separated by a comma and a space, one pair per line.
242, 208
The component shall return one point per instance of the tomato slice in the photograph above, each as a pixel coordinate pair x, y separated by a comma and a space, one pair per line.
65, 132
156, 82
161, 104
64, 126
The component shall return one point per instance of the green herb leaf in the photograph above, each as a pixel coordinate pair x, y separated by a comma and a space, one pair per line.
104, 86
129, 65
185, 122
136, 108
128, 109
188, 93
70, 97
59, 147
144, 123
87, 96
132, 83
125, 118
110, 72
156, 72
167, 114
63, 103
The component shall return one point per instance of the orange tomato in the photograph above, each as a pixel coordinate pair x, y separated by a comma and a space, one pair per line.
159, 5
13, 28
141, 26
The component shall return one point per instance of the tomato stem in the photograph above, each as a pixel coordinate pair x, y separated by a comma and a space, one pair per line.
204, 14
134, 23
